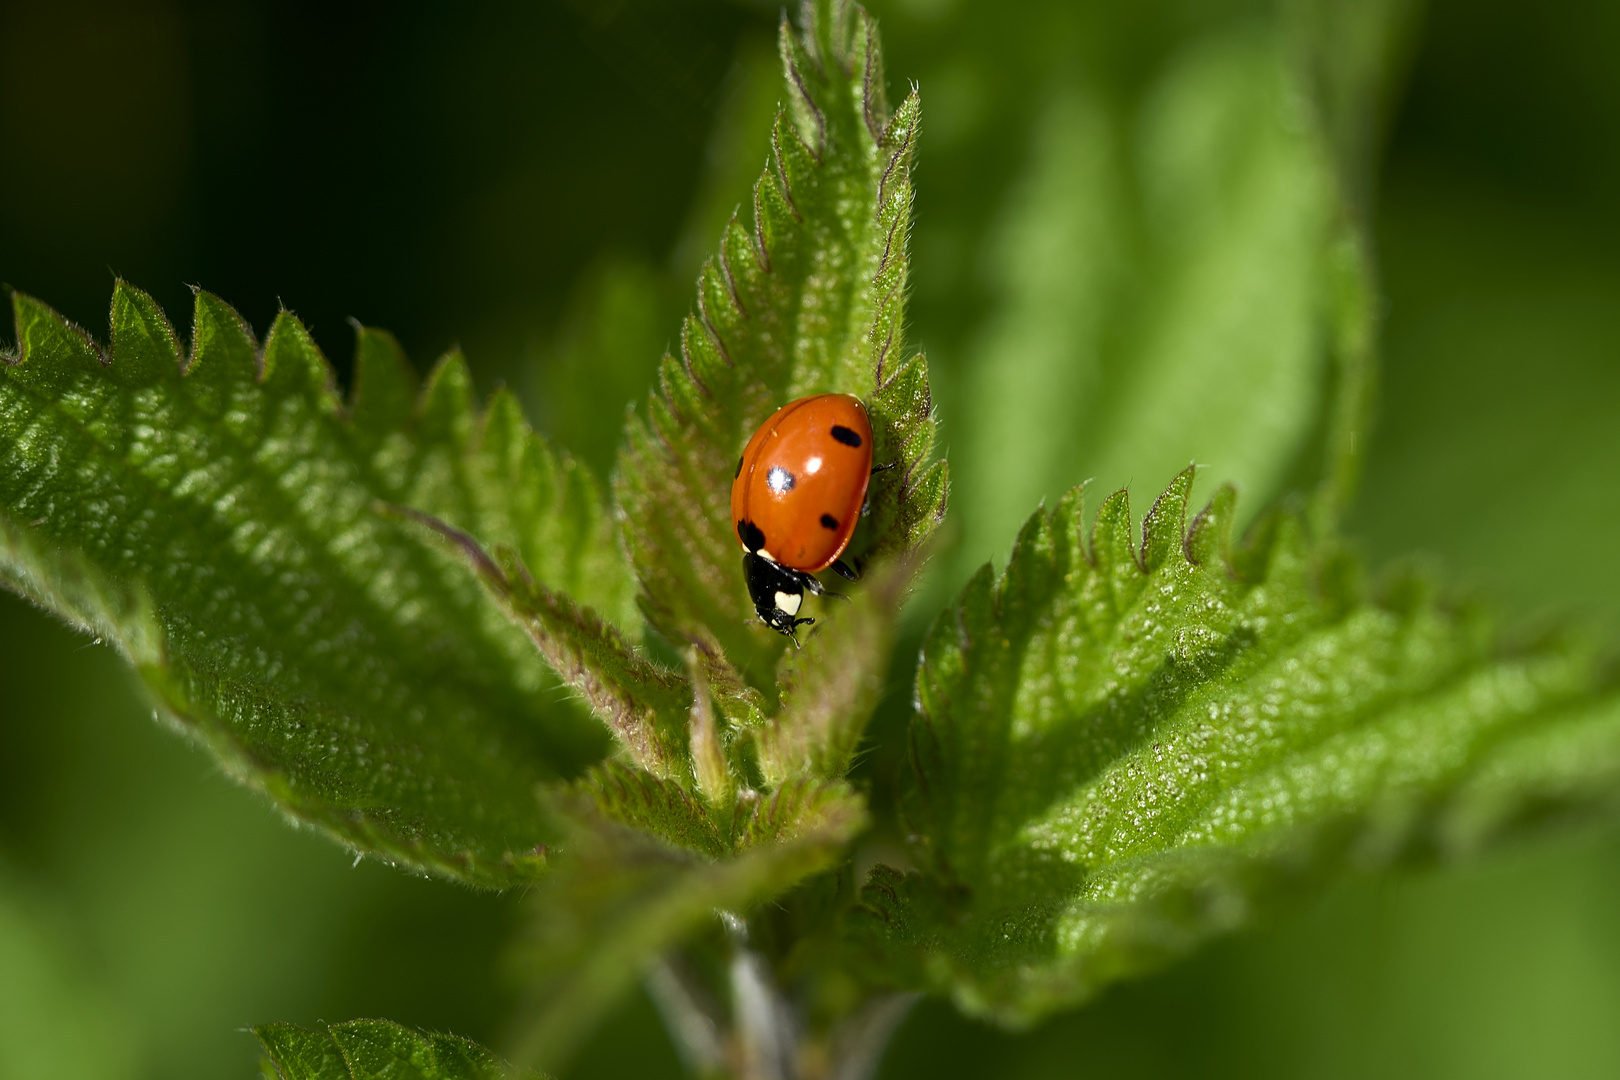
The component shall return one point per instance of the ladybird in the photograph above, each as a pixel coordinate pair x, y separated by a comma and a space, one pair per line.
796, 499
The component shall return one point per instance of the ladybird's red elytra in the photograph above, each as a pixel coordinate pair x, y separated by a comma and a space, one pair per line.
807, 466
796, 499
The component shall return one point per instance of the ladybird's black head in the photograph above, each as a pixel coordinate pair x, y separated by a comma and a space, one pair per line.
777, 593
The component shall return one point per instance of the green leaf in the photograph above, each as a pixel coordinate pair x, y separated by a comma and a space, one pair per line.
624, 895
1176, 279
215, 515
808, 300
489, 474
376, 1050
830, 687
644, 705
1120, 751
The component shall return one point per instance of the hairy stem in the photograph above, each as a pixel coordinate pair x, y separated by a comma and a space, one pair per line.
764, 1037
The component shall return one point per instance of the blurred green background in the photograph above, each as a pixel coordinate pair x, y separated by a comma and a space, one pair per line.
538, 183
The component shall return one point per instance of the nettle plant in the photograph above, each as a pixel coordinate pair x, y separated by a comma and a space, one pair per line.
417, 627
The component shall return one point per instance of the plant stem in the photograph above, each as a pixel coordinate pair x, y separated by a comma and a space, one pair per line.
764, 1037
859, 1040
689, 1016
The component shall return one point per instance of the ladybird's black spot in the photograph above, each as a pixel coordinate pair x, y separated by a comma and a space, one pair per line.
780, 480
845, 435
828, 521
752, 539
739, 467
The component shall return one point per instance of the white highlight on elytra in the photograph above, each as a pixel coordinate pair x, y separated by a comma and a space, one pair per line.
813, 466
779, 479
789, 602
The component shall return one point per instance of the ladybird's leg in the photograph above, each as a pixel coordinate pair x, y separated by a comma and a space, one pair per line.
845, 571
811, 585
793, 632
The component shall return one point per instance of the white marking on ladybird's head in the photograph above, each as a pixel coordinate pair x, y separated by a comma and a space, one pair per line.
813, 466
767, 556
780, 480
788, 602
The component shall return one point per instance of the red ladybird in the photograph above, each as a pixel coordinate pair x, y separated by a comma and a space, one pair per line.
796, 499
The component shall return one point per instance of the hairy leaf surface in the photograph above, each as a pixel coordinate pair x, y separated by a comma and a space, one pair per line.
644, 705
807, 300
376, 1050
830, 688
1120, 751
215, 515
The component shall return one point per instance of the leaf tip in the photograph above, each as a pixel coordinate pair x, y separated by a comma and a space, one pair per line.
1209, 537
144, 346
1111, 532
1164, 527
39, 327
290, 358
